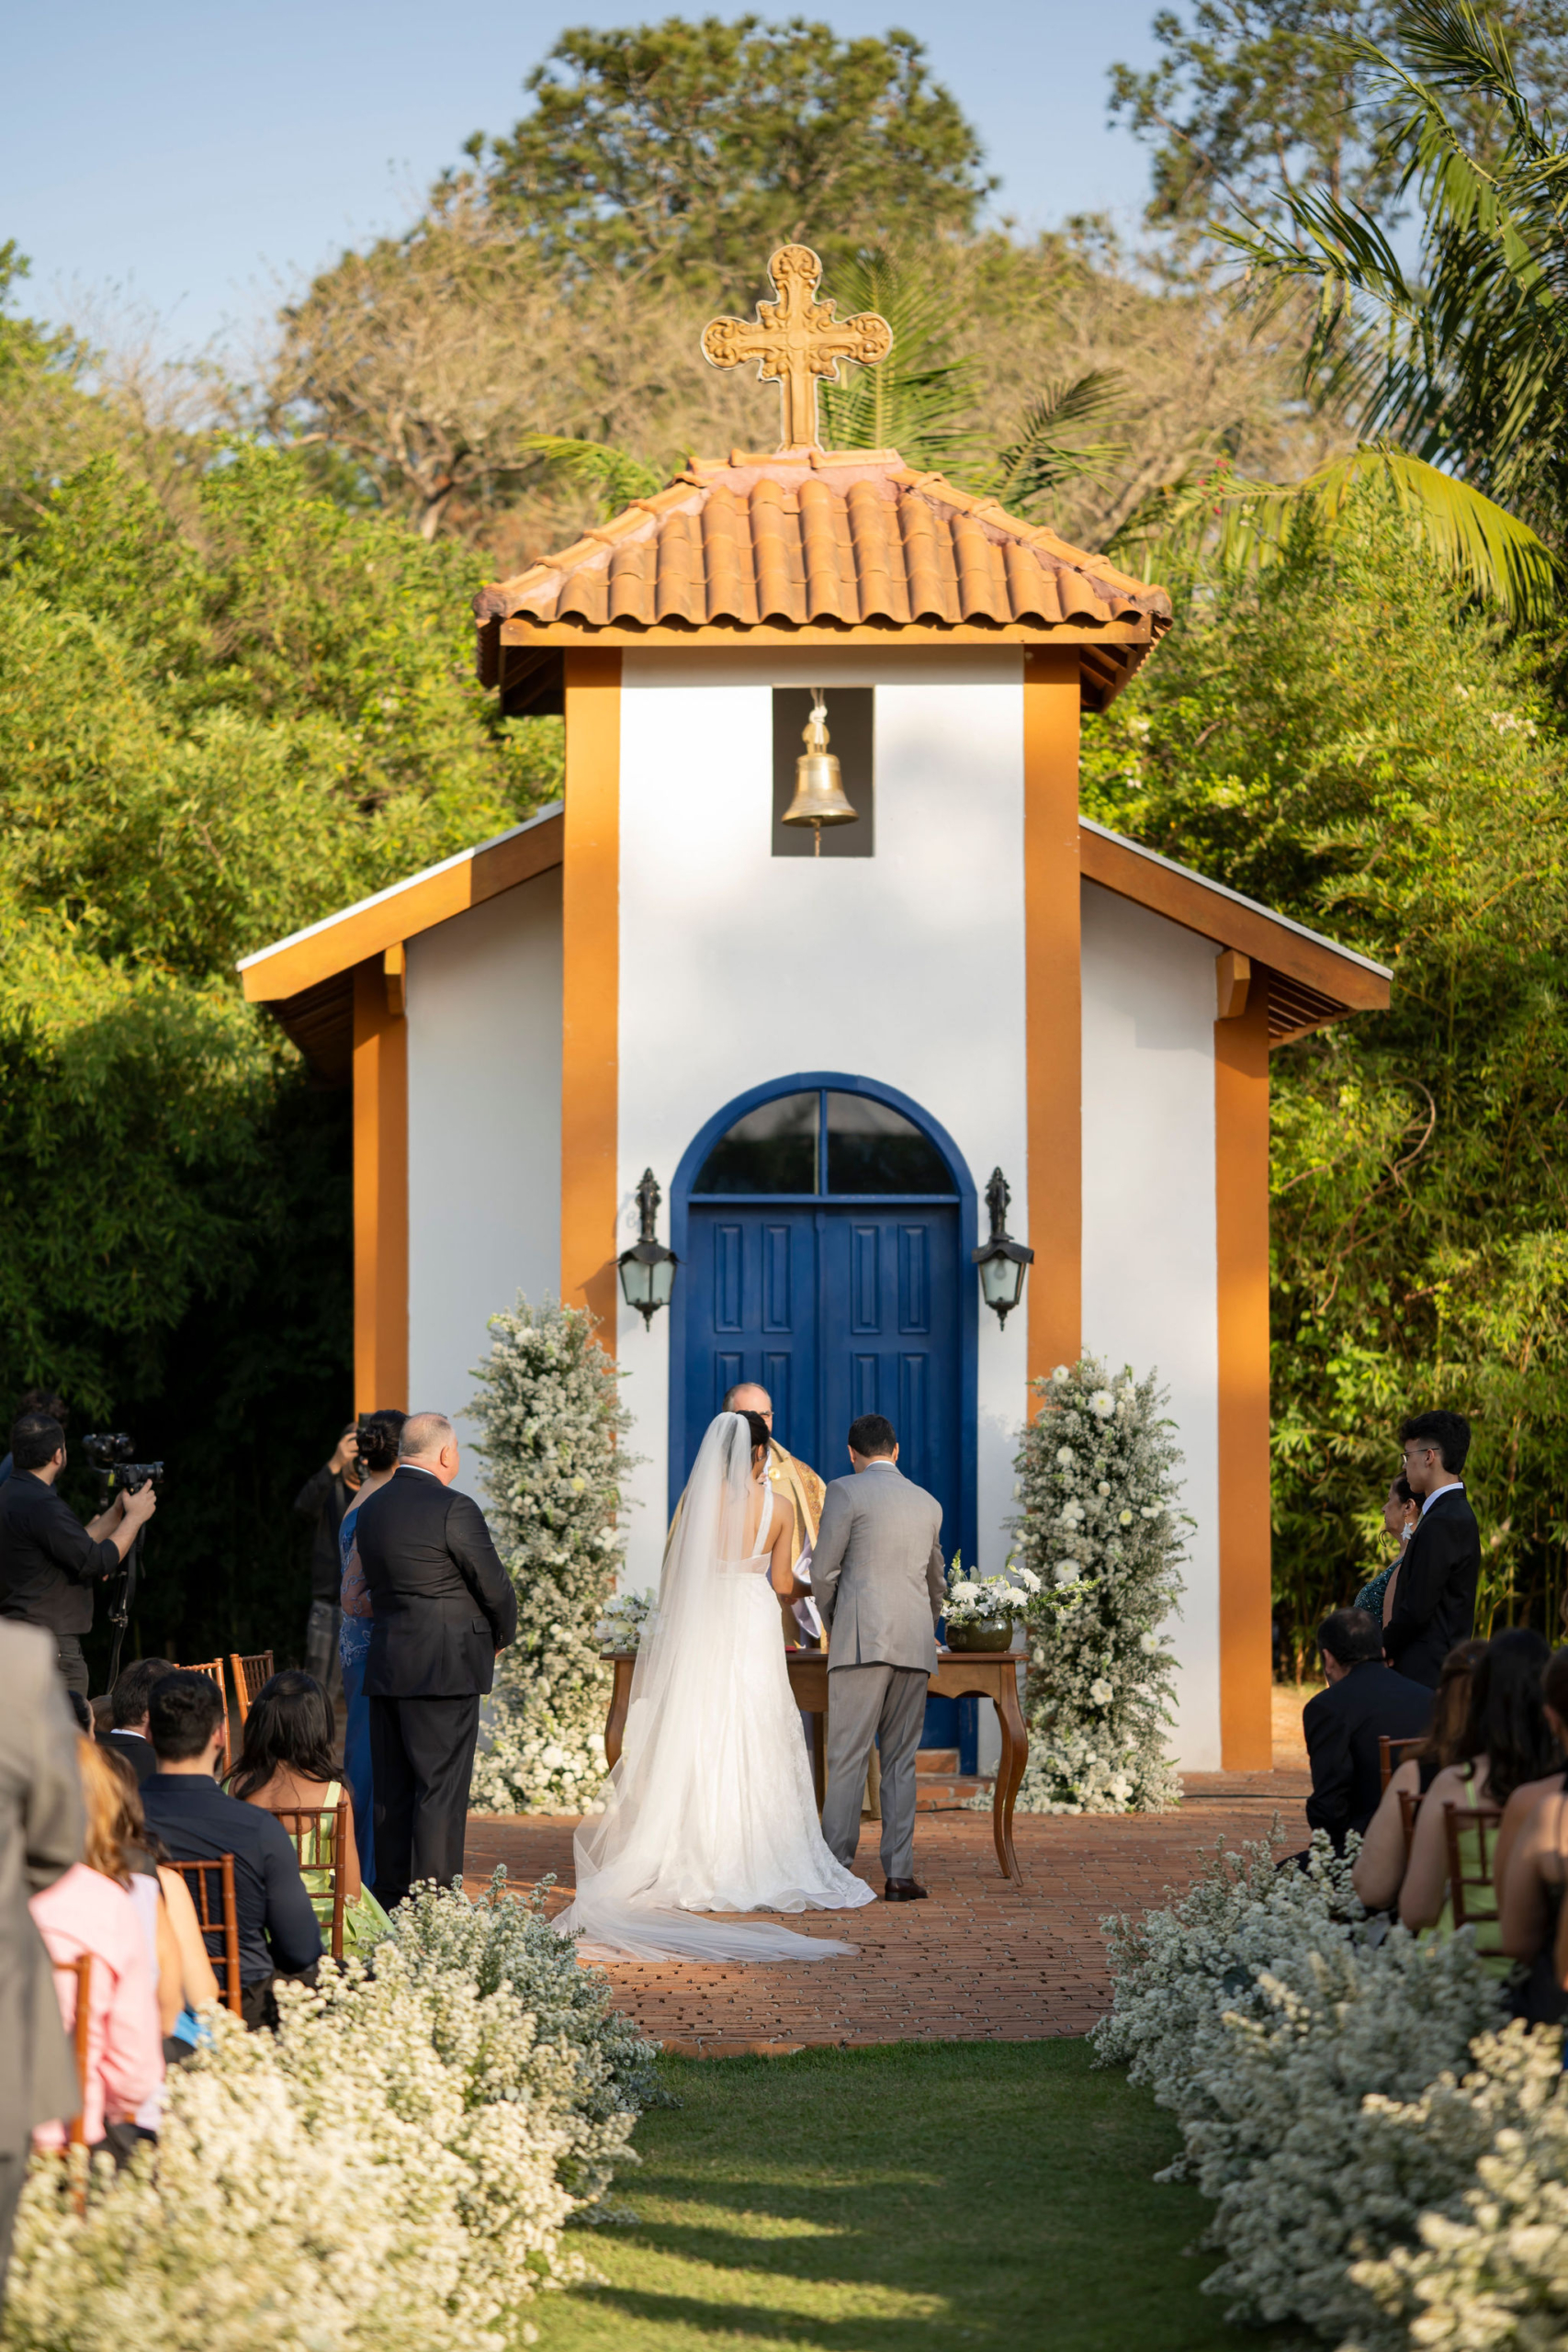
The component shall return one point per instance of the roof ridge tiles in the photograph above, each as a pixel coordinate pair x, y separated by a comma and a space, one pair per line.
791, 539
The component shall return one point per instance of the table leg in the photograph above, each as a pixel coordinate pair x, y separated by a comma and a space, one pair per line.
1009, 1773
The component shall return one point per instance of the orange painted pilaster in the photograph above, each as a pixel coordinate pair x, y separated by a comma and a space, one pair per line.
1241, 1206
591, 964
380, 1194
1052, 1011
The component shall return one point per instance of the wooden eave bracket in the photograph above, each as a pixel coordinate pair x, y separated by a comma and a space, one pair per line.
394, 965
1233, 975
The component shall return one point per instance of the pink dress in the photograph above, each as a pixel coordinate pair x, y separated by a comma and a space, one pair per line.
82, 1912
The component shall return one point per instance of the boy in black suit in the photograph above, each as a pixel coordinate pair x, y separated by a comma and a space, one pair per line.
1434, 1597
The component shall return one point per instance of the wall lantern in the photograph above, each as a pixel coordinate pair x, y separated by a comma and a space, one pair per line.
647, 1269
1002, 1260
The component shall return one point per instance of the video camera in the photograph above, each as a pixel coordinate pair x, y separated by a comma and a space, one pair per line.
111, 1454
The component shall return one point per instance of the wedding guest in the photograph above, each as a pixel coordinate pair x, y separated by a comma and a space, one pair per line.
49, 1561
1400, 1513
1434, 1604
444, 1610
127, 1733
1507, 1741
1365, 1701
187, 1978
1531, 1865
287, 1761
378, 1435
91, 1910
198, 1821
322, 1499
1380, 1865
41, 1822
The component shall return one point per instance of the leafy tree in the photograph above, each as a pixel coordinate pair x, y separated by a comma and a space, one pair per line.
1463, 360
215, 726
1341, 736
698, 147
1257, 104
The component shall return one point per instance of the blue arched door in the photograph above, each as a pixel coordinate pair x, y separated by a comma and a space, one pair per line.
825, 1227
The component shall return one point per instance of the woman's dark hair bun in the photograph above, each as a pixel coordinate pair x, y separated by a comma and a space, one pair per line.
378, 1435
757, 1427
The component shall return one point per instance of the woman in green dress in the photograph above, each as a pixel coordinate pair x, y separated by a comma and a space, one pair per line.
285, 1764
1401, 1517
1507, 1741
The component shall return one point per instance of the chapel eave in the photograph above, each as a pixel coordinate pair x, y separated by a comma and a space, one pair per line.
810, 547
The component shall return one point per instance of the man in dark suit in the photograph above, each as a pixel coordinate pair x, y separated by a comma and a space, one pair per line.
444, 1609
1365, 1701
130, 1734
199, 1822
1434, 1594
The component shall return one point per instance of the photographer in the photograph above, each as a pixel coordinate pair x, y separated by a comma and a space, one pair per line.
49, 1561
323, 1499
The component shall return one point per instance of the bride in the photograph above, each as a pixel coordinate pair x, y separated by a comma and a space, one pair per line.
710, 1806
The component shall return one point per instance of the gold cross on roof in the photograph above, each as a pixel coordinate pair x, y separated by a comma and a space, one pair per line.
796, 340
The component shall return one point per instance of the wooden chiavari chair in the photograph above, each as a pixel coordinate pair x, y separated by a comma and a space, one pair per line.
250, 1674
213, 1669
320, 1839
1470, 1871
1391, 1753
199, 1877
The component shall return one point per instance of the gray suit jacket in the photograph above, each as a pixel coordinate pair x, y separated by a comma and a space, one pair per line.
877, 1573
41, 1822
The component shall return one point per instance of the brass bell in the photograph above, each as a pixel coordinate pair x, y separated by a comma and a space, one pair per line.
819, 789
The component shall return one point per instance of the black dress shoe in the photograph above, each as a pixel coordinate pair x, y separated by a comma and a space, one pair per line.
904, 1890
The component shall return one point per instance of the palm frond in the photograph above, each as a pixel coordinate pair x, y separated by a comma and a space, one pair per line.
615, 475
917, 399
1250, 524
1044, 457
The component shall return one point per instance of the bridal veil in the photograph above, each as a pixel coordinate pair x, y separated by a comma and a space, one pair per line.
709, 1807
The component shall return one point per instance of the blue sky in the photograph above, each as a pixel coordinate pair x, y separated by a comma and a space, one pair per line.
191, 158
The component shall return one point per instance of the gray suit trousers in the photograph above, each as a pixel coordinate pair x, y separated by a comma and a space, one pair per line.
867, 1702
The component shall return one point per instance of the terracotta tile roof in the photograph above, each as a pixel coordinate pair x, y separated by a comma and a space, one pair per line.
825, 540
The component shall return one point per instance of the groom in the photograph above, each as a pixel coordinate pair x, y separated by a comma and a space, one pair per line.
878, 1577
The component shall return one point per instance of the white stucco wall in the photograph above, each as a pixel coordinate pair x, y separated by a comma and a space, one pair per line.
1149, 1271
738, 966
484, 1047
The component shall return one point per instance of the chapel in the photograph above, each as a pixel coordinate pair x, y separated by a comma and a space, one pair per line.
827, 1059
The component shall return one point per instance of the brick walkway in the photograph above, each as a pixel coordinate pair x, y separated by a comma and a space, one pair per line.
984, 1960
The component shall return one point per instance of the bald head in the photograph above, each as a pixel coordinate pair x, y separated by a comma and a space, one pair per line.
748, 1396
428, 1439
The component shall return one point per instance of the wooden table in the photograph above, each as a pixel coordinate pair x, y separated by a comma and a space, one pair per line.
993, 1674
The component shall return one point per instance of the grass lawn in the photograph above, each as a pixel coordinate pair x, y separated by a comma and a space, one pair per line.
928, 2195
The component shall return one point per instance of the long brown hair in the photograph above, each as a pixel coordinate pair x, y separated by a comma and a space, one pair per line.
114, 1813
1445, 1743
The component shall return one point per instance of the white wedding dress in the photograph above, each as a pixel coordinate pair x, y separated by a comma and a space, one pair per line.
710, 1807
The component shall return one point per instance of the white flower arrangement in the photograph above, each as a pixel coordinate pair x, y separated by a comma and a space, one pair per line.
988, 1600
1278, 2024
620, 1628
391, 2174
1100, 1531
550, 1410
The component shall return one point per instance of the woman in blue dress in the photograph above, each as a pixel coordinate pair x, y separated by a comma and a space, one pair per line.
377, 1460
